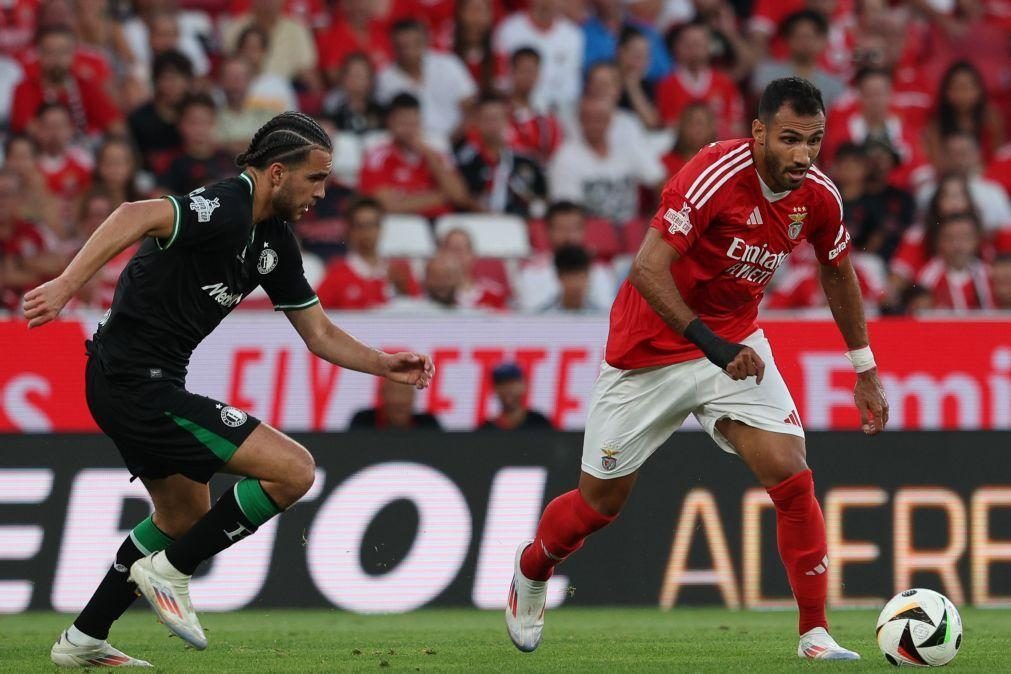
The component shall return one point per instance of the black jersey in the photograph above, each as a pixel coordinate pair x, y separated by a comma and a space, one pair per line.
175, 291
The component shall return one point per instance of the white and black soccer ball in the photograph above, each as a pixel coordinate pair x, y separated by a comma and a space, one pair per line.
920, 628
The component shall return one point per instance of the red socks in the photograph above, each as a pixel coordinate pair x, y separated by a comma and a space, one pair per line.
800, 530
565, 524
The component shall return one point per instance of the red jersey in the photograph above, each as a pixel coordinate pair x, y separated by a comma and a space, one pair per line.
339, 41
23, 241
732, 234
391, 166
90, 108
713, 87
351, 283
68, 174
17, 25
534, 134
958, 290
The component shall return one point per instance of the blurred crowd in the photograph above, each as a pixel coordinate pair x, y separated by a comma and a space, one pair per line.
563, 118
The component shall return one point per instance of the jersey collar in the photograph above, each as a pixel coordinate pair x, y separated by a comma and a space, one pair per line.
249, 181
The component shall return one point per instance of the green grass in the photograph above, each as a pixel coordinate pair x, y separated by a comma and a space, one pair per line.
576, 640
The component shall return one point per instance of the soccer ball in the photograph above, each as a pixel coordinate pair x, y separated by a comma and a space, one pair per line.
920, 628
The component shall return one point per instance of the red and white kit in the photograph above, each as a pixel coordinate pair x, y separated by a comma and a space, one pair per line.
732, 232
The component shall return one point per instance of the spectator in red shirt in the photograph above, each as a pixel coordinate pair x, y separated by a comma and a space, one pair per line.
66, 167
406, 175
956, 276
999, 168
473, 21
356, 29
696, 80
1000, 280
962, 105
18, 20
91, 108
96, 205
696, 128
533, 132
37, 203
202, 160
473, 291
873, 116
362, 279
24, 262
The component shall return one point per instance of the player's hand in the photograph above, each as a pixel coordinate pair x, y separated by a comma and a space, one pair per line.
869, 396
44, 303
405, 367
746, 364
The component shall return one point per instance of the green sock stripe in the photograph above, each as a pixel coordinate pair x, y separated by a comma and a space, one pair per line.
253, 501
149, 538
221, 447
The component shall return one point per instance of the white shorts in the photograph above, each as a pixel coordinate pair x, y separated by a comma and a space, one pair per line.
632, 412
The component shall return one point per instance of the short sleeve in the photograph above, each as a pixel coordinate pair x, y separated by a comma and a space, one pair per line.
689, 202
282, 275
829, 237
216, 217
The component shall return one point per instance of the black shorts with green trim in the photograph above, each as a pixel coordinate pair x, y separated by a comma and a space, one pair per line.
162, 429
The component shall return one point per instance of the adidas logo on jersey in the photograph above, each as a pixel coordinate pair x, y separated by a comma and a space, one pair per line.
755, 219
793, 419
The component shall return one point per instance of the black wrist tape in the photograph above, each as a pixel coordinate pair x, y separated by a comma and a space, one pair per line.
718, 350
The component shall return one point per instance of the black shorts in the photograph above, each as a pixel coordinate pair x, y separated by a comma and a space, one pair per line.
162, 429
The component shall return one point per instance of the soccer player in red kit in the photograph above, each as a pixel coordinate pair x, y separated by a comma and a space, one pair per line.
684, 340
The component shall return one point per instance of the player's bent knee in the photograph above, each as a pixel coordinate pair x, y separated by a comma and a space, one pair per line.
299, 473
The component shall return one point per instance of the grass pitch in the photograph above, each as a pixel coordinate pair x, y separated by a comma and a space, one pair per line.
575, 640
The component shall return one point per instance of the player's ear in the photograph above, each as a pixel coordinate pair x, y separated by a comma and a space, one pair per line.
758, 131
276, 173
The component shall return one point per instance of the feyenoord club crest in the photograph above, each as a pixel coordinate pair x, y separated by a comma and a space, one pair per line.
796, 221
608, 462
268, 260
233, 416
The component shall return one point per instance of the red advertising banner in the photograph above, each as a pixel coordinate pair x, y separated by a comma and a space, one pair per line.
938, 374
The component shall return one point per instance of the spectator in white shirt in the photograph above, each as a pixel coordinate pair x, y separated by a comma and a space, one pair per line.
538, 280
592, 170
440, 81
558, 40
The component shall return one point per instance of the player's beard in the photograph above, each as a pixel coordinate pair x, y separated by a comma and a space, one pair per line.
286, 205
779, 170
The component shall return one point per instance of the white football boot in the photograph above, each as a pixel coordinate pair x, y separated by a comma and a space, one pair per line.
101, 654
168, 592
818, 644
525, 607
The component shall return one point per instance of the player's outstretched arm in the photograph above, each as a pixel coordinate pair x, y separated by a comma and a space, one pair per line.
650, 274
332, 344
842, 290
125, 226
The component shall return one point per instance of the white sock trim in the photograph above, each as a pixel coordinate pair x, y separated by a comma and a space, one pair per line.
79, 638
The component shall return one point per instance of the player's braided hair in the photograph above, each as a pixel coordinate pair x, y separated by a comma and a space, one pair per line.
287, 138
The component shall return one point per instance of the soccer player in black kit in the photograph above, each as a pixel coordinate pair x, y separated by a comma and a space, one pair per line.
201, 254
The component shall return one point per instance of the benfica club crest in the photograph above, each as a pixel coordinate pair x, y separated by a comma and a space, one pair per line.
796, 221
608, 462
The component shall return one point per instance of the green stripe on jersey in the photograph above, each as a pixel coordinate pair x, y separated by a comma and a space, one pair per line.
221, 447
149, 538
253, 501
302, 305
175, 224
248, 180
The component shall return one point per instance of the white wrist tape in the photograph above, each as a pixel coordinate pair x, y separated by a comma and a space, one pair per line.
862, 359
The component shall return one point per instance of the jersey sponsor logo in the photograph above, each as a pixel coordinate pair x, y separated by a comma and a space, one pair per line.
219, 293
267, 261
233, 416
842, 239
796, 221
755, 264
204, 207
197, 191
678, 220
